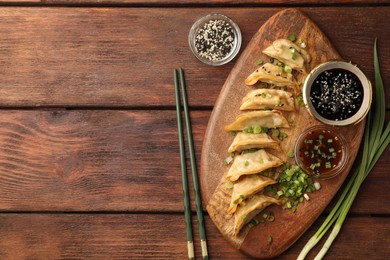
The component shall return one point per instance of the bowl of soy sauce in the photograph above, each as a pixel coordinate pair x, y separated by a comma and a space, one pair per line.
337, 93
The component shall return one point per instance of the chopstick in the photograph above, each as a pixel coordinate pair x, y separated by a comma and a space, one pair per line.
187, 209
198, 199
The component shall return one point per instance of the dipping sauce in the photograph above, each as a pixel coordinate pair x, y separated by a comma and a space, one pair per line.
336, 94
321, 152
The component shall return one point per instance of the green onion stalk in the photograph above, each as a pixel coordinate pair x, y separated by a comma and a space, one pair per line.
376, 140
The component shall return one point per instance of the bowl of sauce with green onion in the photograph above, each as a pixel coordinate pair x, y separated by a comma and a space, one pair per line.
321, 152
337, 93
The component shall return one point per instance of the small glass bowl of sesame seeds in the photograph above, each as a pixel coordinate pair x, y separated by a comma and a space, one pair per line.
337, 93
215, 39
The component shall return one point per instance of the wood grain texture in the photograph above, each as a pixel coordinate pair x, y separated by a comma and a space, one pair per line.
150, 236
103, 163
119, 57
189, 3
88, 160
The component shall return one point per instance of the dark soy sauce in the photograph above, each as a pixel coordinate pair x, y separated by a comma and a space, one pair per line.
336, 94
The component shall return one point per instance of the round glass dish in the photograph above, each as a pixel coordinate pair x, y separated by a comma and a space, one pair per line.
196, 33
321, 152
337, 93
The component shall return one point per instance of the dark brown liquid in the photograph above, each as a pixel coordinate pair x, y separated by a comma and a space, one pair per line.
336, 94
307, 150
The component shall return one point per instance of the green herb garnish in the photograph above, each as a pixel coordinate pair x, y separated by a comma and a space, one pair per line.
376, 140
259, 62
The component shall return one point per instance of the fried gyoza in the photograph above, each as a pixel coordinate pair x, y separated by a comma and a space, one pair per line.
252, 163
246, 187
271, 74
269, 119
268, 98
289, 53
252, 207
245, 141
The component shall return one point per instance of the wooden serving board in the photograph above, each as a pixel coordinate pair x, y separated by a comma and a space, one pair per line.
288, 226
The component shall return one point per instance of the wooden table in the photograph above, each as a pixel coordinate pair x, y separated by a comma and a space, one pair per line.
89, 156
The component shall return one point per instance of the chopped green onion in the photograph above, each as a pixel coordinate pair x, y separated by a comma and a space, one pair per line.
259, 62
257, 130
254, 222
248, 130
287, 69
294, 56
270, 239
251, 150
229, 185
290, 154
228, 160
292, 37
283, 135
275, 132
246, 163
300, 101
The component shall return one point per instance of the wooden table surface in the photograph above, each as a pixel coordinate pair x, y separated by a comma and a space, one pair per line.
89, 154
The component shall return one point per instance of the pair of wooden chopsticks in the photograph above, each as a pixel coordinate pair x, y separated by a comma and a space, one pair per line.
198, 199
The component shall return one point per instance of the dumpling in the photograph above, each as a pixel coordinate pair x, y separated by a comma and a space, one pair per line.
252, 163
246, 187
289, 53
272, 74
269, 119
245, 141
252, 207
268, 98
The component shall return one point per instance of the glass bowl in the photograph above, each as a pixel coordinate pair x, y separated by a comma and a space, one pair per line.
337, 93
321, 152
197, 38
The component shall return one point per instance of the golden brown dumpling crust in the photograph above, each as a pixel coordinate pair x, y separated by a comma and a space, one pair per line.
271, 74
252, 163
246, 187
252, 207
289, 53
268, 98
269, 119
245, 141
